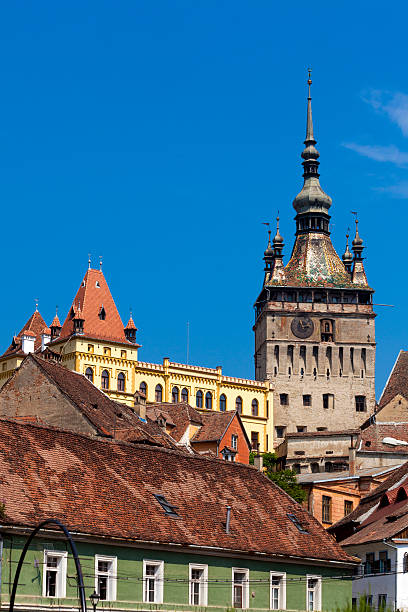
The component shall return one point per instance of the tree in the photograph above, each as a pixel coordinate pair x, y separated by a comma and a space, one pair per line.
285, 479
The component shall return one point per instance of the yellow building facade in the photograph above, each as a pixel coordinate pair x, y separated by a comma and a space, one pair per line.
94, 342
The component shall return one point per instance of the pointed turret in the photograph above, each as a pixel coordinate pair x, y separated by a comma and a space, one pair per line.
347, 257
358, 275
130, 330
278, 273
269, 256
55, 326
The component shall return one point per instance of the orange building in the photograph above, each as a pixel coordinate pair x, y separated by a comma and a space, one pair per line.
332, 496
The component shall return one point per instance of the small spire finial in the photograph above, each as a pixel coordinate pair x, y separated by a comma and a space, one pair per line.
89, 261
100, 262
36, 304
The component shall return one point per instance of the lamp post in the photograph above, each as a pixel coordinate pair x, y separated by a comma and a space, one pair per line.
94, 600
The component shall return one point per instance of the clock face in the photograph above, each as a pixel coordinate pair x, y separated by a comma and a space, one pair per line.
302, 327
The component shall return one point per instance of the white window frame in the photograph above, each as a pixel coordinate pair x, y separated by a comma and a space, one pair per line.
282, 590
234, 441
111, 574
203, 584
318, 601
245, 595
159, 579
61, 582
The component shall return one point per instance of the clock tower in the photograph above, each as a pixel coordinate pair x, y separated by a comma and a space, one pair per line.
314, 320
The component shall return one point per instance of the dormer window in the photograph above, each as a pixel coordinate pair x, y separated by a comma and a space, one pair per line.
97, 285
102, 313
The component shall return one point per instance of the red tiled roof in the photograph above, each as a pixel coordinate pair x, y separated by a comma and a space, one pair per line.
107, 488
55, 322
107, 416
91, 296
34, 326
214, 426
131, 324
397, 383
369, 503
181, 415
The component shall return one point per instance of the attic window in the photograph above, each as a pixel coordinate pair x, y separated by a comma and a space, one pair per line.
83, 283
368, 443
102, 314
168, 508
295, 521
97, 285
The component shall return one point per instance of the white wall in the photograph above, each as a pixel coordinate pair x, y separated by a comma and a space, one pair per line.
379, 583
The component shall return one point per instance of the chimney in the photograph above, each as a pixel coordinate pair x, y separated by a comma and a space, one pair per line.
27, 344
228, 521
140, 405
258, 461
45, 338
352, 461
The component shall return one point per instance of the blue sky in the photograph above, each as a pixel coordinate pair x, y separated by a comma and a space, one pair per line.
162, 134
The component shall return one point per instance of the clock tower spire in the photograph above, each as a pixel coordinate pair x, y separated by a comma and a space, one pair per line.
314, 320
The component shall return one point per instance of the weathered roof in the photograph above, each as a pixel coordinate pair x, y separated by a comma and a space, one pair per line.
214, 426
325, 434
331, 476
397, 383
108, 417
107, 488
180, 415
368, 503
35, 325
372, 437
92, 298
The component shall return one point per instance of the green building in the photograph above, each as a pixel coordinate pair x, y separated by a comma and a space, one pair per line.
156, 529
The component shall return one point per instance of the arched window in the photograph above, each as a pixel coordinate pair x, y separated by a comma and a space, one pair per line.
223, 402
315, 468
121, 381
184, 395
175, 395
158, 393
199, 399
89, 374
105, 379
143, 388
238, 404
208, 400
255, 407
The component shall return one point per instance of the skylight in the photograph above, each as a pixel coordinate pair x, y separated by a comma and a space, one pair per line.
168, 508
297, 524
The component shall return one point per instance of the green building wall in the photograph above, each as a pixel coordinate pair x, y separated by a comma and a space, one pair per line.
335, 592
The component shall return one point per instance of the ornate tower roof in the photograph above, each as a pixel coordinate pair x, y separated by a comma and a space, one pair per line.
314, 261
94, 305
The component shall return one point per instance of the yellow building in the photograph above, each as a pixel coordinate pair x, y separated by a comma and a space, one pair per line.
94, 342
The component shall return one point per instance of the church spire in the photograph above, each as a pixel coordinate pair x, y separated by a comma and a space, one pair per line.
312, 203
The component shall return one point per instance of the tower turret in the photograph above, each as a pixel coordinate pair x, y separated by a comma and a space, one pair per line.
347, 257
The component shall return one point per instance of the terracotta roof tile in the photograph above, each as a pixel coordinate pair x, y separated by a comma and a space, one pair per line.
397, 383
372, 437
92, 295
78, 479
107, 416
181, 415
214, 426
34, 325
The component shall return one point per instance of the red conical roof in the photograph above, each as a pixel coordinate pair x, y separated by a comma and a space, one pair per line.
131, 324
97, 309
34, 327
56, 322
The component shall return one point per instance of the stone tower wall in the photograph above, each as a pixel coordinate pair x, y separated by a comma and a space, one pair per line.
343, 368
